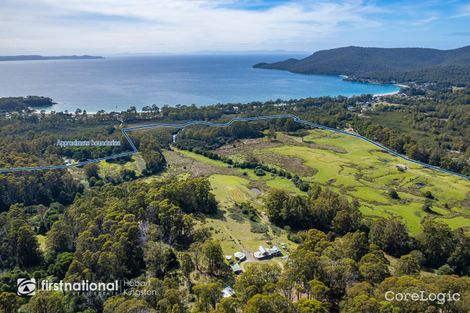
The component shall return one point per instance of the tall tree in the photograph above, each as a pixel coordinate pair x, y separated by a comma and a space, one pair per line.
213, 256
437, 242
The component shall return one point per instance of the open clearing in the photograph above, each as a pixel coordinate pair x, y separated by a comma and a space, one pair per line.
113, 169
360, 170
346, 165
233, 186
231, 189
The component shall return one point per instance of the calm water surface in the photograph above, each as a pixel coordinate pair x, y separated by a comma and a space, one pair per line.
115, 83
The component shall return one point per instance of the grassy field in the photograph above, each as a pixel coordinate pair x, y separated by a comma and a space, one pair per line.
456, 222
231, 186
136, 164
238, 235
231, 228
113, 169
231, 189
347, 165
207, 166
360, 170
107, 169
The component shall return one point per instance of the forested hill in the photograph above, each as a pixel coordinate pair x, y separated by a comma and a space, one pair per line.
40, 57
385, 64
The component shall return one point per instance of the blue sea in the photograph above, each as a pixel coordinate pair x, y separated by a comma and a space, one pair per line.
116, 83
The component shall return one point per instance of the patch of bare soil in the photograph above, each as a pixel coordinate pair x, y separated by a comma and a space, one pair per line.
245, 145
179, 163
290, 164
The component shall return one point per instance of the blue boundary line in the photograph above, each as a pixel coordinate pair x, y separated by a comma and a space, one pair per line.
126, 131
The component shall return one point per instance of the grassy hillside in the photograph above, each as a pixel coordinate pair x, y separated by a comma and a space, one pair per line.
346, 165
232, 186
359, 170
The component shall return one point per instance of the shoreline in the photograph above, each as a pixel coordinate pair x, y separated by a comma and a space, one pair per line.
337, 88
347, 78
385, 94
401, 86
344, 77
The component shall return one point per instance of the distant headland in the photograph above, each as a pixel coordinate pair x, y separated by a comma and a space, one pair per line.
40, 57
385, 65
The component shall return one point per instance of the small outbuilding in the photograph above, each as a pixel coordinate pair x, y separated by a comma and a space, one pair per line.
236, 268
274, 251
240, 256
263, 253
228, 292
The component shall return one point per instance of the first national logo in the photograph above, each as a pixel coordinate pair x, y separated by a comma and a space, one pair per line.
26, 286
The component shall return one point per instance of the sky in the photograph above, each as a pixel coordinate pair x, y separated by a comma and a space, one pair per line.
107, 27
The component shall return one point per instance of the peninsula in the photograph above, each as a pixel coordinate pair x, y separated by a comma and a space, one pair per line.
385, 65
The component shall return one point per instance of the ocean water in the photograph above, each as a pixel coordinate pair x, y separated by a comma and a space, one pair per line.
116, 83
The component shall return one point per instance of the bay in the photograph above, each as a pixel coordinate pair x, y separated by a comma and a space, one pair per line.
116, 83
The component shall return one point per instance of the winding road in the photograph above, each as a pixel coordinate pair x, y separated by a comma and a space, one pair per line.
126, 131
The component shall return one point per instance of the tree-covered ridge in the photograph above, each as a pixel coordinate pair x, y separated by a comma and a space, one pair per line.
109, 233
434, 129
40, 188
385, 64
19, 104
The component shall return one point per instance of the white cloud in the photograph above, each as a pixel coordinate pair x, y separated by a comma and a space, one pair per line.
425, 21
109, 26
463, 11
